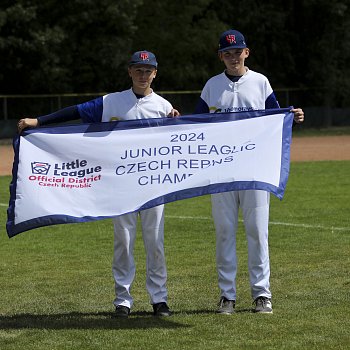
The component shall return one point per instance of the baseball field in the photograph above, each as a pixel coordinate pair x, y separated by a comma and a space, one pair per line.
57, 287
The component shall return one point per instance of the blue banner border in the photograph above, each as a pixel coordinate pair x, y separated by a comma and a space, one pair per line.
14, 229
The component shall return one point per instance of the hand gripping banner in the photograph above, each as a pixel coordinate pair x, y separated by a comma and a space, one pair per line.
85, 172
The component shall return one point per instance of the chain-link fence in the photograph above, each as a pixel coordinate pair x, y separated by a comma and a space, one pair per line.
14, 107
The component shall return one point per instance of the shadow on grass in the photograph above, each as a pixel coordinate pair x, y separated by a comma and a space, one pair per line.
99, 320
80, 320
210, 312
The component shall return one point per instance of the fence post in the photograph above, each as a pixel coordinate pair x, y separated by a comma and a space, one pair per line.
287, 98
5, 108
327, 121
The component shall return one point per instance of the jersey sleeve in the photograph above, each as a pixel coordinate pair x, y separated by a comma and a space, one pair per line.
91, 111
271, 102
169, 107
202, 107
63, 115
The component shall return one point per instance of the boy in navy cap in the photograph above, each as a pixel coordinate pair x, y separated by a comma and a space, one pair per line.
138, 102
240, 89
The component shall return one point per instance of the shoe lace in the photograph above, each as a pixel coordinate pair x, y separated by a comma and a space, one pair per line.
261, 300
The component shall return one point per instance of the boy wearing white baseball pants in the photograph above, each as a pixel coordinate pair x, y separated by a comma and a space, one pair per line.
138, 102
240, 89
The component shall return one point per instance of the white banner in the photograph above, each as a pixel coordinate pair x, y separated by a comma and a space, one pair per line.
88, 172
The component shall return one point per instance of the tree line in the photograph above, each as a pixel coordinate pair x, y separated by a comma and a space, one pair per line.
84, 45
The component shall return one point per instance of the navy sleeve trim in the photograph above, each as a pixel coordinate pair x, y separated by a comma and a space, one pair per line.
91, 111
271, 102
201, 107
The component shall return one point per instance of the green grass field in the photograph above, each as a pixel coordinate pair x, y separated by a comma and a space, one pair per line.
57, 288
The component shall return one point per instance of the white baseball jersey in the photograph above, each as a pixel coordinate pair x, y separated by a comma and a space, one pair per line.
124, 106
251, 92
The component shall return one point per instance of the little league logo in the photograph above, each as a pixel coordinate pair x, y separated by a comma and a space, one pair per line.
231, 38
40, 168
144, 56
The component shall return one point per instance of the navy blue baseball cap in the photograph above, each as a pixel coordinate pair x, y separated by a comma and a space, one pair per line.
143, 57
231, 39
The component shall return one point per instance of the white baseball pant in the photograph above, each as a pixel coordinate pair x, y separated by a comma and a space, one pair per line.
123, 267
255, 210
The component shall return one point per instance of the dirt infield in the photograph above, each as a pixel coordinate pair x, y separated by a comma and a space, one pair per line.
303, 149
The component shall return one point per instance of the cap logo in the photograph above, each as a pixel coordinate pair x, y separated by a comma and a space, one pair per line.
231, 38
144, 56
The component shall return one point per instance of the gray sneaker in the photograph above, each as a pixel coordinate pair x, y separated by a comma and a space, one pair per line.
263, 305
226, 307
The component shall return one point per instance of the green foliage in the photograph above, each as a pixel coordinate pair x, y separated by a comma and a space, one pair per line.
83, 46
57, 286
184, 35
327, 46
55, 46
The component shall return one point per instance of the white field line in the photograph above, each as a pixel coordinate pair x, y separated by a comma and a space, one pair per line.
271, 222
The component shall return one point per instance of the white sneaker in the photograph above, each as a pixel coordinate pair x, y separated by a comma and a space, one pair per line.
263, 305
